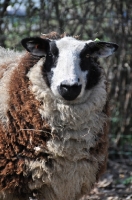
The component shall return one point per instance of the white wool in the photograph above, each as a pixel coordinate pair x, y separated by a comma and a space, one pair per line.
75, 126
79, 121
9, 56
65, 181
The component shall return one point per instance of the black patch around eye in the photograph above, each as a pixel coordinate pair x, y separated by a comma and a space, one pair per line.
53, 48
50, 62
90, 64
90, 49
94, 74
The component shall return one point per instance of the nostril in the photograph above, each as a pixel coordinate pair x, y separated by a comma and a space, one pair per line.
65, 87
69, 87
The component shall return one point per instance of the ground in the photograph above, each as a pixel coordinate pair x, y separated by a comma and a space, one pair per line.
116, 183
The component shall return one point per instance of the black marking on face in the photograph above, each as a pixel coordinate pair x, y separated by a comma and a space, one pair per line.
50, 62
90, 64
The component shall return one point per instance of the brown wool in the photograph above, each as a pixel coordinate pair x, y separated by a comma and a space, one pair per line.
25, 130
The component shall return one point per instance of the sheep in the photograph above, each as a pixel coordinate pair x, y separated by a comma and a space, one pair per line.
53, 118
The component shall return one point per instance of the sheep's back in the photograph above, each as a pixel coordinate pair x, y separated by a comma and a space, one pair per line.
8, 60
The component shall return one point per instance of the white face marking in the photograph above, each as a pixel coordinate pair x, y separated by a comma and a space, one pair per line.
70, 68
68, 65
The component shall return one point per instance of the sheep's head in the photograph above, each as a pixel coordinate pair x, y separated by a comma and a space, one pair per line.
70, 67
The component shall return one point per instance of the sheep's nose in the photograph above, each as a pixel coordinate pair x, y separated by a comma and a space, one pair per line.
69, 91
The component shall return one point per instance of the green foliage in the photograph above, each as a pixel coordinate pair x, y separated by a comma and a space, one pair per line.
96, 40
127, 181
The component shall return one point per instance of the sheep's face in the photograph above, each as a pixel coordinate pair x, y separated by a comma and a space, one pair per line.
70, 67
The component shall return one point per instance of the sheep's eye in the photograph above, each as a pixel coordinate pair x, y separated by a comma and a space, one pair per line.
50, 54
87, 56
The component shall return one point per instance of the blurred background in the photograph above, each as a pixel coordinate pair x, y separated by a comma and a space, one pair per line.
109, 20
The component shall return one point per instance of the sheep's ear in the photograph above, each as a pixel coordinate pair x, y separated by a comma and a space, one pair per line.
36, 46
102, 49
